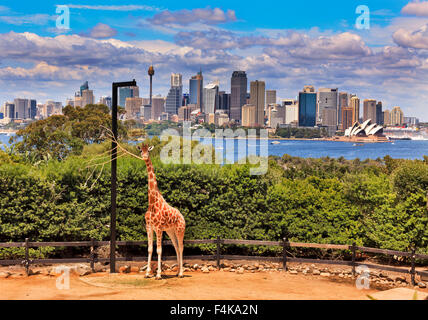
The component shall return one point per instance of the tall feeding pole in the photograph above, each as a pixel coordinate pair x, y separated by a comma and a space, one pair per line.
151, 73
115, 86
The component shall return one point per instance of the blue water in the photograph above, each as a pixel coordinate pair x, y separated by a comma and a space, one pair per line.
314, 149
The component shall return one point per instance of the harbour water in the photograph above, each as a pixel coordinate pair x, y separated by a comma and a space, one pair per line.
402, 149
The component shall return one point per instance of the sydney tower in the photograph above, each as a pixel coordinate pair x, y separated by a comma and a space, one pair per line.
151, 74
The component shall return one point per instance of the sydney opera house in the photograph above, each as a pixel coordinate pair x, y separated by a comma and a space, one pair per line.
365, 132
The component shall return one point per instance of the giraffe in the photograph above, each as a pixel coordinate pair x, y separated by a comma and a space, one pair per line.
160, 216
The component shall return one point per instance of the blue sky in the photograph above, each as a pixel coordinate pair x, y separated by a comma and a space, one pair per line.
288, 44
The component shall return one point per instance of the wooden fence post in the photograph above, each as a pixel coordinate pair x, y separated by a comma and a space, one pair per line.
413, 271
284, 254
93, 255
27, 257
353, 257
218, 252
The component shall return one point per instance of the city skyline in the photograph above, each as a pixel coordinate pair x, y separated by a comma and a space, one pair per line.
317, 45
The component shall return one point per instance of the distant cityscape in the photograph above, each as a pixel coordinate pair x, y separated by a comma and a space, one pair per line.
323, 108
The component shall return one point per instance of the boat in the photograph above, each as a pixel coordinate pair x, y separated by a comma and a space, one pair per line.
275, 142
358, 144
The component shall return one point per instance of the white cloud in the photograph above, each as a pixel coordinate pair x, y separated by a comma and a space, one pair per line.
416, 8
101, 31
417, 39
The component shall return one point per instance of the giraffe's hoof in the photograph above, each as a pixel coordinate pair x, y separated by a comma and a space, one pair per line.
180, 276
148, 275
158, 277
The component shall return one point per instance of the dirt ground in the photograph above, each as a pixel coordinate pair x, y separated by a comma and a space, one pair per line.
215, 285
195, 285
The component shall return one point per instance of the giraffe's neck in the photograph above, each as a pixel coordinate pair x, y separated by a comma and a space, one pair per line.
152, 184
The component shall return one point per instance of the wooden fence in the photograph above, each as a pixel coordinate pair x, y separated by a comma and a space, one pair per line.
92, 259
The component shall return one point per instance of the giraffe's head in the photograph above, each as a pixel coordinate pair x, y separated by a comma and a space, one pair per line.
145, 149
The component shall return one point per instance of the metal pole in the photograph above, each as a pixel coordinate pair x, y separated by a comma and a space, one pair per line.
284, 254
115, 86
218, 252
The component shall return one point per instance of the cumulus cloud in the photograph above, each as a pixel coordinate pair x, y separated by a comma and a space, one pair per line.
186, 17
416, 8
412, 39
101, 31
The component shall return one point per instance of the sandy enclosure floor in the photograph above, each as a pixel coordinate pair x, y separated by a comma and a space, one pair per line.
195, 285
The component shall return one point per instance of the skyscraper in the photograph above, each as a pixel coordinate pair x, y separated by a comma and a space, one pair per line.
397, 116
84, 86
369, 110
196, 85
21, 108
127, 92
87, 97
379, 113
307, 107
238, 94
249, 115
343, 103
347, 114
270, 97
257, 99
327, 107
387, 118
224, 101
355, 105
174, 100
158, 107
211, 98
133, 107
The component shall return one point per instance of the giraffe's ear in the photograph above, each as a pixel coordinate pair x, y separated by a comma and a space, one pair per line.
151, 148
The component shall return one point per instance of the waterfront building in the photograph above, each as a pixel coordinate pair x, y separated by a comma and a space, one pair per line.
347, 114
343, 103
257, 99
174, 100
270, 97
327, 108
379, 113
224, 101
238, 95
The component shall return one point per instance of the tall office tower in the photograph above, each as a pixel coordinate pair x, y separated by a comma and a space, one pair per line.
270, 97
133, 107
77, 101
369, 110
105, 100
174, 100
9, 110
238, 94
158, 107
21, 108
87, 97
224, 101
397, 116
386, 118
127, 92
176, 80
307, 107
196, 86
347, 114
211, 98
84, 86
185, 99
291, 111
355, 105
379, 113
249, 116
257, 99
327, 107
343, 103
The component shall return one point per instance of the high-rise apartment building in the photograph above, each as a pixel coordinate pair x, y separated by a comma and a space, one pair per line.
133, 107
387, 118
196, 85
87, 97
127, 92
379, 113
176, 80
397, 116
238, 94
291, 111
158, 107
369, 110
211, 98
347, 117
307, 107
257, 99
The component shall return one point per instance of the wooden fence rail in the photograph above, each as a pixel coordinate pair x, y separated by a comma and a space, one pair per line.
218, 256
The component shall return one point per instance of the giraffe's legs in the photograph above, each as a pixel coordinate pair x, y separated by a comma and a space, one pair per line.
150, 249
159, 252
180, 237
171, 234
